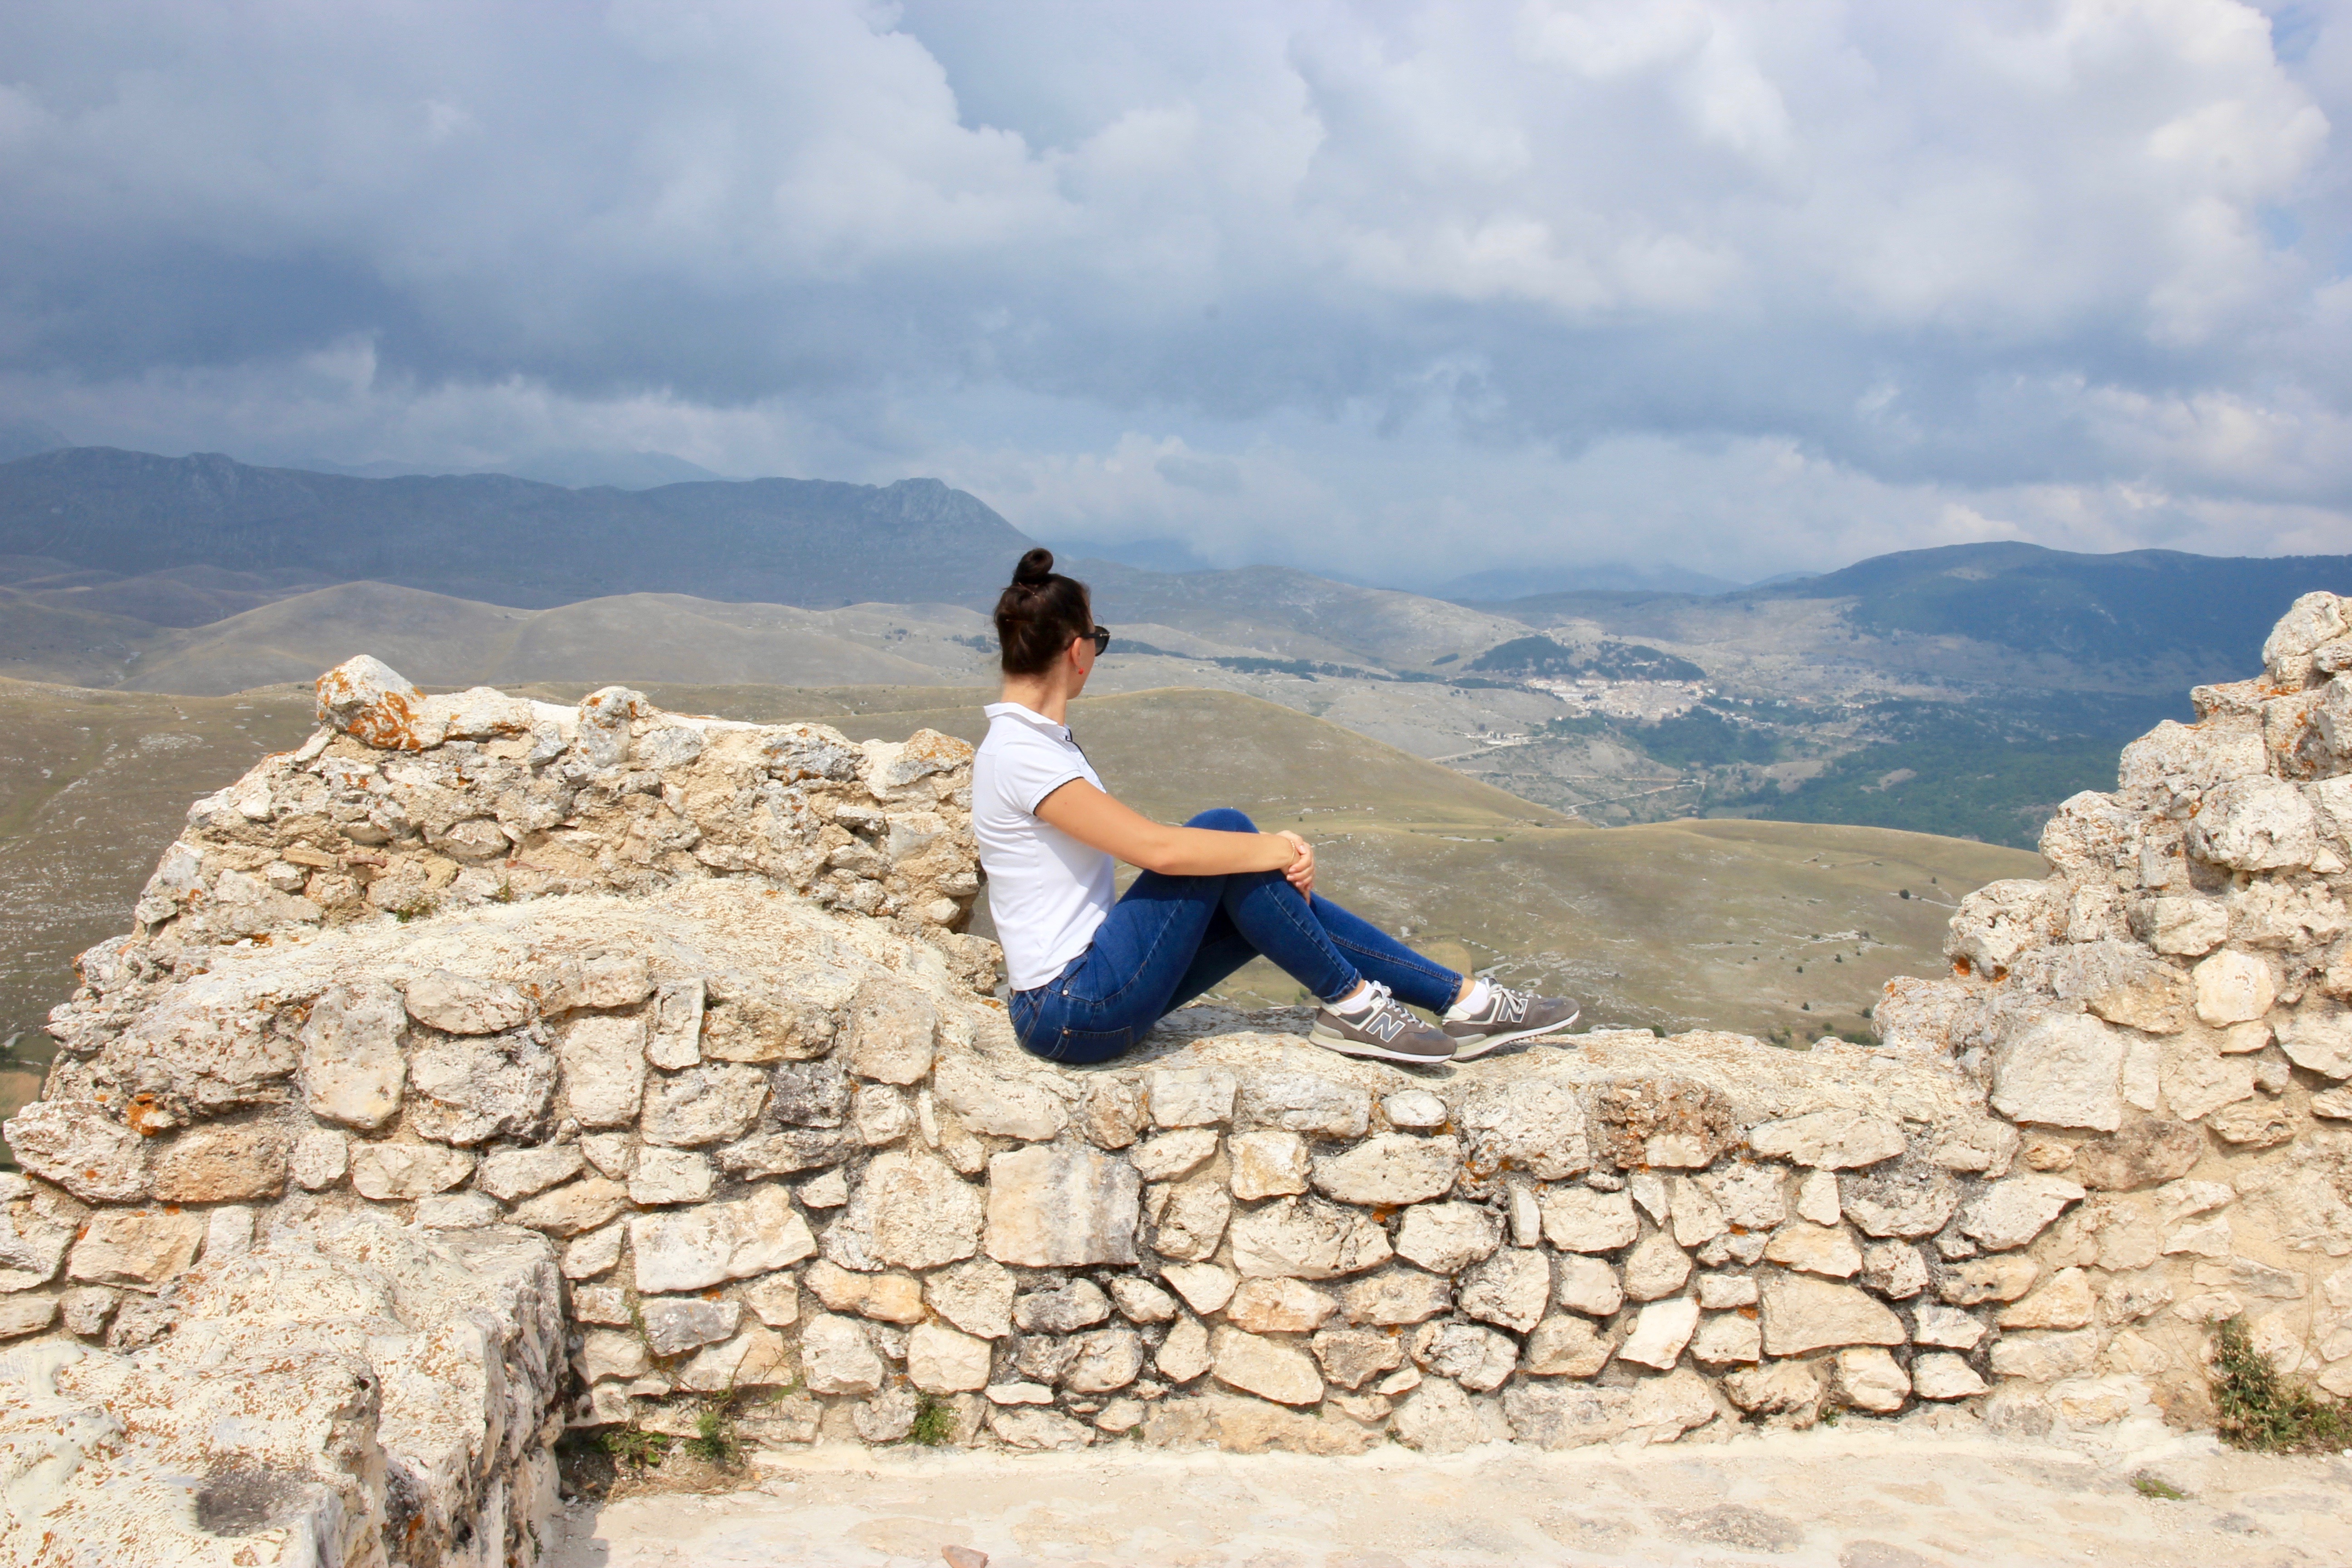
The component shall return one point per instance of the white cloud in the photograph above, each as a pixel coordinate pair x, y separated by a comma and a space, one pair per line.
1734, 283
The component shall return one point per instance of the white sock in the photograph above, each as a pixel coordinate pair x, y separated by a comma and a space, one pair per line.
1362, 1000
1472, 1000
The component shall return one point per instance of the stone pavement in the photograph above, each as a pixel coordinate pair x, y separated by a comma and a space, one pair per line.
1857, 1496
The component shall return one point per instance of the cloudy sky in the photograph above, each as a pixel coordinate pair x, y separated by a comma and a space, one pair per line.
1400, 292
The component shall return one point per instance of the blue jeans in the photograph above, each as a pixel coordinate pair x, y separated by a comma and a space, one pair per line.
1168, 939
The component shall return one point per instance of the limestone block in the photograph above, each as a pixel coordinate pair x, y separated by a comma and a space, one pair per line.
1267, 1164
1816, 1249
676, 1324
830, 1191
1526, 1215
2318, 1039
1947, 1327
1939, 1374
1579, 1219
1352, 1357
692, 1248
1188, 1218
1893, 1270
1115, 1113
1104, 1360
604, 1069
1413, 1111
456, 1211
35, 1229
1981, 1279
319, 1159
76, 1144
1388, 1169
1192, 1096
1698, 1217
2065, 1069
1204, 1286
836, 1356
219, 1162
1830, 1139
1302, 1102
2062, 1301
671, 1177
2255, 825
583, 1204
1908, 1200
2182, 925
1063, 1309
1479, 1359
1141, 1302
589, 1255
1802, 1313
353, 1068
1817, 1198
1280, 1307
83, 1310
1722, 1292
605, 1304
369, 700
1438, 1418
1019, 1394
2014, 1211
1534, 1125
468, 1091
784, 1153
608, 1353
1564, 1346
510, 1174
1792, 1389
708, 1104
773, 1298
999, 1107
1184, 1354
892, 1033
1446, 1237
2046, 1358
1062, 1207
1748, 1195
2002, 919
975, 1295
1655, 1268
2233, 987
1660, 1122
461, 1005
942, 1361
1511, 1289
137, 1247
1867, 1378
1172, 1155
1037, 1430
1306, 1239
2252, 1125
1660, 1332
808, 1094
1396, 1296
395, 1172
611, 1153
885, 1298
2142, 1152
2197, 1079
909, 1210
1728, 1338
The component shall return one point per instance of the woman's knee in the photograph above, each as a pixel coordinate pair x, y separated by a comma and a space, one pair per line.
1223, 819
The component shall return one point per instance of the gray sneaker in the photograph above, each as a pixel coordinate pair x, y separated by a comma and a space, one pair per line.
1386, 1031
1508, 1015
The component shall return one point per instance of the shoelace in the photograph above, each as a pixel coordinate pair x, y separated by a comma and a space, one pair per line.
1511, 1006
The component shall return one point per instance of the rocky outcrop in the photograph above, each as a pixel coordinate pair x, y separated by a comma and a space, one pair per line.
476, 1030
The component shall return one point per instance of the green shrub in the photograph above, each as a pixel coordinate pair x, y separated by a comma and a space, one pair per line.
934, 1423
2255, 1408
634, 1448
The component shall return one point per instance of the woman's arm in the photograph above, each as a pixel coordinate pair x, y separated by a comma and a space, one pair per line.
1097, 821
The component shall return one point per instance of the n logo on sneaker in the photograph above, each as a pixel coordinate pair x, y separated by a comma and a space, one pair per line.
1388, 1023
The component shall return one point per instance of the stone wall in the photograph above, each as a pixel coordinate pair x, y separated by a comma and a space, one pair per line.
484, 1067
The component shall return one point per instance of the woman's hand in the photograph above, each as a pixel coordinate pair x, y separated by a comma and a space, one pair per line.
1301, 871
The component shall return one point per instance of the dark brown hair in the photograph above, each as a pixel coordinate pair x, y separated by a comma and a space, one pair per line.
1038, 614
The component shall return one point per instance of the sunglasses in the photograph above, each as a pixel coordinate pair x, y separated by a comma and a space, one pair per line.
1102, 640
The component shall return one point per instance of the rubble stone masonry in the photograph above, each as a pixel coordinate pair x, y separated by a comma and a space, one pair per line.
485, 1067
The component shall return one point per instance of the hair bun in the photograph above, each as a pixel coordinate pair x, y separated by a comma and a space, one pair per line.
1034, 568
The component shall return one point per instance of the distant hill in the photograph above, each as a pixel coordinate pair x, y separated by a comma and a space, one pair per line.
2202, 615
506, 541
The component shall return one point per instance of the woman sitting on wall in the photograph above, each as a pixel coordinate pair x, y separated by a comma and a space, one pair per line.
1091, 972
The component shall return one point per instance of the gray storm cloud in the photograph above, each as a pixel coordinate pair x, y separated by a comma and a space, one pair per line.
1395, 290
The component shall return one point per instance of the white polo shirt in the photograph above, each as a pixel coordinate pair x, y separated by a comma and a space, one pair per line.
1046, 891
